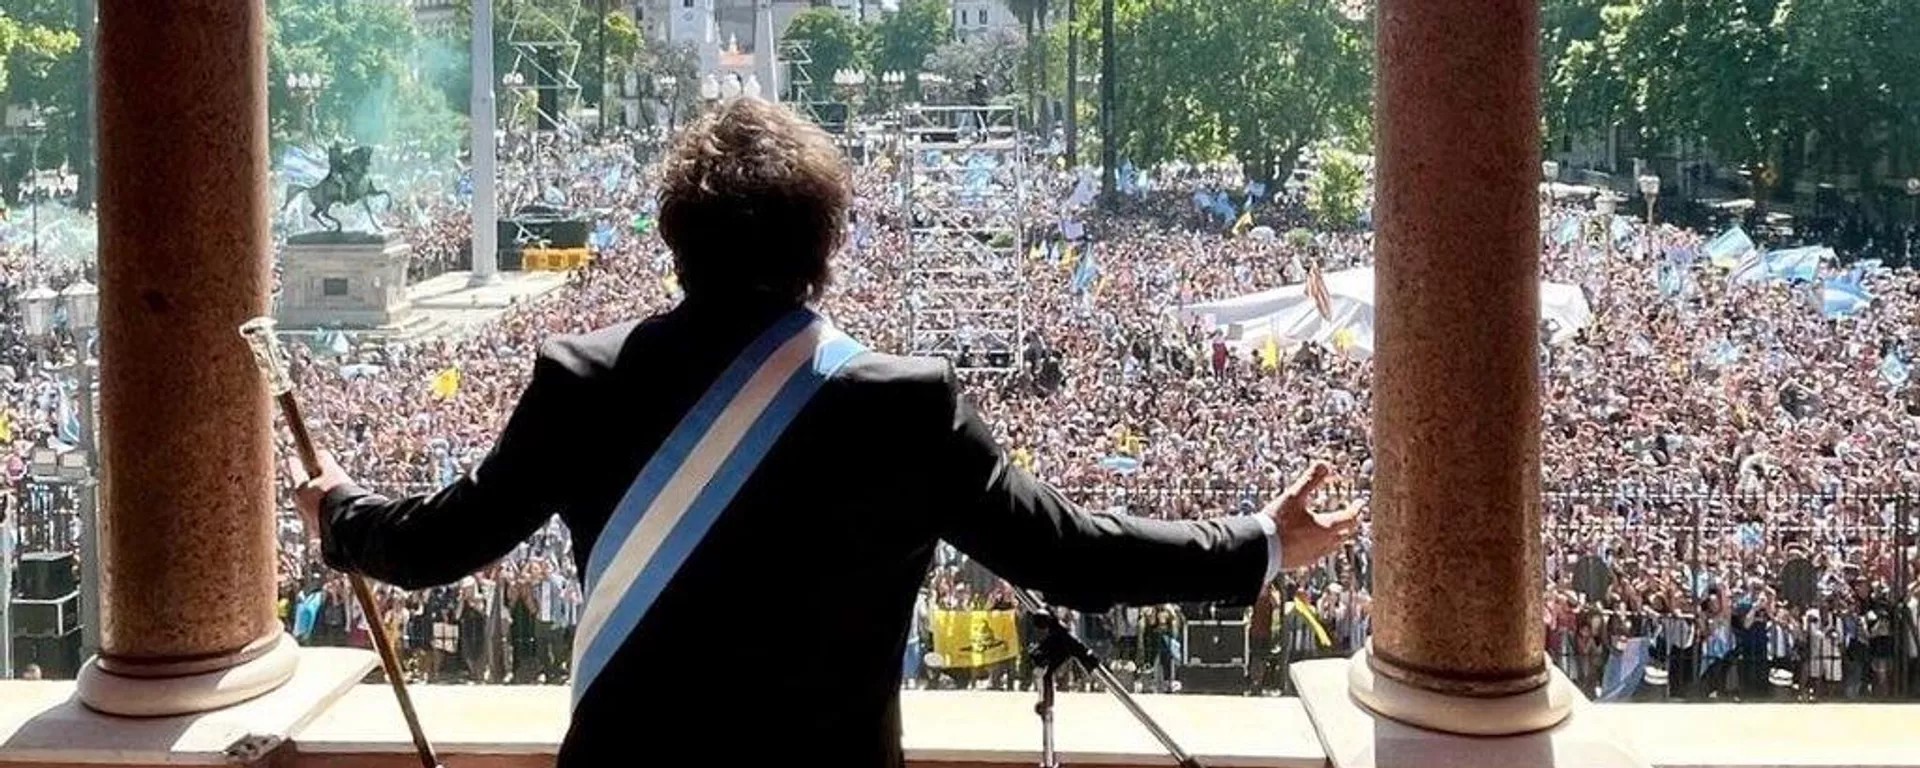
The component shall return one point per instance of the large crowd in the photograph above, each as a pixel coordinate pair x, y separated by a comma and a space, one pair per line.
1726, 464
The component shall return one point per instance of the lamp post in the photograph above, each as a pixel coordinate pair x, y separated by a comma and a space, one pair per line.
850, 82
30, 122
670, 86
306, 87
1650, 189
709, 90
40, 311
1549, 173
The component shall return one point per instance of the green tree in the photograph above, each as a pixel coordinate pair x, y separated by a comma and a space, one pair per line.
1767, 85
833, 43
365, 51
1254, 80
905, 38
1337, 190
37, 67
995, 56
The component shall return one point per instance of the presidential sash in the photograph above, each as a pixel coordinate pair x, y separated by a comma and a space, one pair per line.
693, 477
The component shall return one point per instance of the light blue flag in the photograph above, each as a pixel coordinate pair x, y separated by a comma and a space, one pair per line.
1723, 354
1625, 670
1751, 268
302, 168
1843, 296
1120, 465
69, 418
1072, 229
1622, 230
1728, 248
1796, 264
1085, 272
1894, 369
602, 237
611, 180
1202, 200
1672, 279
1567, 232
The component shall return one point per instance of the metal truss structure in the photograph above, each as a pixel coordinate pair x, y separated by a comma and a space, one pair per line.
961, 182
545, 55
798, 78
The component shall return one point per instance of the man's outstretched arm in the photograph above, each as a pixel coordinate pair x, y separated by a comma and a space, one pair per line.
1029, 534
437, 538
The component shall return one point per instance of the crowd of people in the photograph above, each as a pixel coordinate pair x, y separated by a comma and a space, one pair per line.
1727, 464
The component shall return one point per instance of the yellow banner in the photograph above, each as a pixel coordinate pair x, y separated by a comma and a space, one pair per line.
975, 638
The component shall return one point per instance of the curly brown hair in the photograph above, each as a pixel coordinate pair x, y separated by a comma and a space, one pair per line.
753, 200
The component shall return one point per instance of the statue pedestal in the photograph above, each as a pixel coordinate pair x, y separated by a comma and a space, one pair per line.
343, 280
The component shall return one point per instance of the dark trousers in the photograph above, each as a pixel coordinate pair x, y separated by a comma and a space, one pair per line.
1682, 670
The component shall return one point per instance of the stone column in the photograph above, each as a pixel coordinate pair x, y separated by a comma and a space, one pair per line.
187, 533
1458, 640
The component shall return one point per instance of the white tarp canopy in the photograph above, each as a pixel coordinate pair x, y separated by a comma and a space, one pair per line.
1288, 316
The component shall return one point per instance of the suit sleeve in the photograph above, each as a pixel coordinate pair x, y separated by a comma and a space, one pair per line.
432, 539
1026, 532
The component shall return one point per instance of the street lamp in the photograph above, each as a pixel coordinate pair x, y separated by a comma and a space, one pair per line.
41, 309
30, 121
1650, 189
36, 311
709, 89
730, 87
306, 86
669, 85
750, 87
1550, 170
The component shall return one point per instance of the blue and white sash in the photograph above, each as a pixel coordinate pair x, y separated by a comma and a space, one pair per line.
694, 475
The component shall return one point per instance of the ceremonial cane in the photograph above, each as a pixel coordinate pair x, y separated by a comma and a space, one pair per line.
272, 360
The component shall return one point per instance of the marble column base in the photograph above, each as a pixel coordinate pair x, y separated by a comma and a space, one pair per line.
1355, 736
1524, 712
117, 693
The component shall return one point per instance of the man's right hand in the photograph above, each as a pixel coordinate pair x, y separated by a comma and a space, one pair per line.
1307, 536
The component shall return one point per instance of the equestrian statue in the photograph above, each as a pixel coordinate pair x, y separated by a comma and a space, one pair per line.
346, 183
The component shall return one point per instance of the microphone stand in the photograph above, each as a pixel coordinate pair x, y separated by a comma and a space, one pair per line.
1053, 650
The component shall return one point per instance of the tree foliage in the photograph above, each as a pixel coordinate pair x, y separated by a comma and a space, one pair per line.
1253, 79
995, 57
834, 42
37, 67
1337, 190
366, 51
1779, 84
904, 39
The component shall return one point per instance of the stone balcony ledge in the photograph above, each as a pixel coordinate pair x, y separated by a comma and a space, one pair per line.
318, 721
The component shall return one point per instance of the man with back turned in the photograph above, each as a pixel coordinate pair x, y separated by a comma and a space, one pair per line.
690, 451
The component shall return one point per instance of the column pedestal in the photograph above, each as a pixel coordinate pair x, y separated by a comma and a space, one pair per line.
1534, 709
1357, 736
179, 688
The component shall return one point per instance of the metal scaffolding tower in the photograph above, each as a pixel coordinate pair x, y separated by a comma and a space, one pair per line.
545, 55
961, 181
798, 81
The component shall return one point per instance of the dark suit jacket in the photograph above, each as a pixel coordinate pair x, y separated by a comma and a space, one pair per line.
785, 628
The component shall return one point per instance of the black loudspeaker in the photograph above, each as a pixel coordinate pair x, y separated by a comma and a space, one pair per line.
46, 575
1217, 642
46, 618
540, 229
58, 657
548, 87
1203, 678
